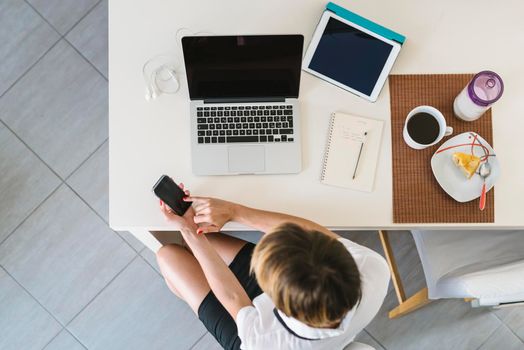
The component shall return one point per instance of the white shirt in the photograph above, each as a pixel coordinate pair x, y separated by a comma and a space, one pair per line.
258, 328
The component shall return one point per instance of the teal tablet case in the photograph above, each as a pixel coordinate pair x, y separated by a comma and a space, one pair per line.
366, 23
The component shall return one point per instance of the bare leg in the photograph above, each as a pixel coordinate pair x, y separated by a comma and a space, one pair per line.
226, 246
183, 274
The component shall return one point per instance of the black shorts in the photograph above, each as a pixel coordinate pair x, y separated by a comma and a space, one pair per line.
213, 315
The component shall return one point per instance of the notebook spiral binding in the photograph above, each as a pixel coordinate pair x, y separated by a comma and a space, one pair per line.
328, 145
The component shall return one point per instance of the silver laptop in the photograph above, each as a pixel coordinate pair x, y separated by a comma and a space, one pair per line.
244, 107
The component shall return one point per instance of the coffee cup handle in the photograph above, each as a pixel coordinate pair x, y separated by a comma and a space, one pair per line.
449, 131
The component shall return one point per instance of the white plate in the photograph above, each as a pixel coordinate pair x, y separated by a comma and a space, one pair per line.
451, 178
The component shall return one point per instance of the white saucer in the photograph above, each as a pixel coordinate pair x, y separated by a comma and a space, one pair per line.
451, 178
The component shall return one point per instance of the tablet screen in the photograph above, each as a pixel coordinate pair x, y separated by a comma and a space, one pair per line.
349, 56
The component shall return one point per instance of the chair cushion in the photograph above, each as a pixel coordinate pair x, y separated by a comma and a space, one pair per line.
501, 284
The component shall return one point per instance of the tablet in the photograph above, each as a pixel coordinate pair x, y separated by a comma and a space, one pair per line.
350, 56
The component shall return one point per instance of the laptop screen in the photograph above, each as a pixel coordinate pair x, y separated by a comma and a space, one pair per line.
251, 66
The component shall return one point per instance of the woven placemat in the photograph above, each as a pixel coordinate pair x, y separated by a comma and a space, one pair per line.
417, 196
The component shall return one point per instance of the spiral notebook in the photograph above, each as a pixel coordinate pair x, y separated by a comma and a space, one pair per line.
351, 155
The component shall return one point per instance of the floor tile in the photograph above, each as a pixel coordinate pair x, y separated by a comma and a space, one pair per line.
208, 342
452, 324
63, 117
513, 317
64, 254
90, 37
24, 182
64, 341
504, 339
63, 14
133, 242
91, 182
150, 258
137, 311
23, 323
25, 37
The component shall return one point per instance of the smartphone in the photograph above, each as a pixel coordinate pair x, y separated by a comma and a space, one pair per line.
169, 192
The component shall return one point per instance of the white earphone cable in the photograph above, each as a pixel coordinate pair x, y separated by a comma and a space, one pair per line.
151, 77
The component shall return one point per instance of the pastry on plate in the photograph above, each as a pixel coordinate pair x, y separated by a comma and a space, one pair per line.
468, 163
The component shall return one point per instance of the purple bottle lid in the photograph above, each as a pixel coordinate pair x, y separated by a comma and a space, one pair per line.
485, 88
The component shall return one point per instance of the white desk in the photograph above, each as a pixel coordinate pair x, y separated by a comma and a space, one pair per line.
148, 139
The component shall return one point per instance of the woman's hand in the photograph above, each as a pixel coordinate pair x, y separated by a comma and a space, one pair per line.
184, 222
211, 214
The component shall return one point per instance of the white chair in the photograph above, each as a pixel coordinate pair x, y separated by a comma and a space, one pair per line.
358, 346
484, 267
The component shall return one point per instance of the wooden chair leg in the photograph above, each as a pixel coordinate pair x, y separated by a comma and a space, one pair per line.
390, 258
414, 302
406, 305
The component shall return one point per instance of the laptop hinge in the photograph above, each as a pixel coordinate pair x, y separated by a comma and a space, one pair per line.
245, 100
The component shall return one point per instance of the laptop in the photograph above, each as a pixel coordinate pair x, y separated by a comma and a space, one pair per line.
244, 103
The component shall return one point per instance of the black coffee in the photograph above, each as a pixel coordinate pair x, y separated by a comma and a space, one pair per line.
423, 128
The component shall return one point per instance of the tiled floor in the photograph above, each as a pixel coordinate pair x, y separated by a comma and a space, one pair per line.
67, 281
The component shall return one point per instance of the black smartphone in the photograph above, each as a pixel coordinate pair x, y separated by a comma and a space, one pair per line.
168, 191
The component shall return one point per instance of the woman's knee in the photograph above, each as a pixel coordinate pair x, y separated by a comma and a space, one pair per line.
167, 253
183, 274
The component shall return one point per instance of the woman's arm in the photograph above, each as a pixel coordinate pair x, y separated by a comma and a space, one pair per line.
211, 214
222, 281
266, 220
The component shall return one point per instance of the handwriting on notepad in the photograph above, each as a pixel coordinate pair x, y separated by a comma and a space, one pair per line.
350, 133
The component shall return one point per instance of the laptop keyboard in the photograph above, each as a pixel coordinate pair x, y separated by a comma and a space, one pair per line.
233, 124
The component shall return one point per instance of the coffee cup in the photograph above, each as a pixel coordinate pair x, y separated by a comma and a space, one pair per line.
425, 126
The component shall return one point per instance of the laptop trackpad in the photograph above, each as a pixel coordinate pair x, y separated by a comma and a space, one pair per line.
246, 159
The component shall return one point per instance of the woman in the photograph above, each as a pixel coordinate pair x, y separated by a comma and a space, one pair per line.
301, 287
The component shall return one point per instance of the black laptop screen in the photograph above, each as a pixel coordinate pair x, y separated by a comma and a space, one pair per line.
251, 66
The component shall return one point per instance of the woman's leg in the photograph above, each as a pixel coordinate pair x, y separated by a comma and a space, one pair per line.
226, 246
183, 274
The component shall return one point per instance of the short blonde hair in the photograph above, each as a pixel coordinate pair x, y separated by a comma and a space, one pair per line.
309, 276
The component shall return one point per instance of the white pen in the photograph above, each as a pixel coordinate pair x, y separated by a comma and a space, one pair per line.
359, 153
